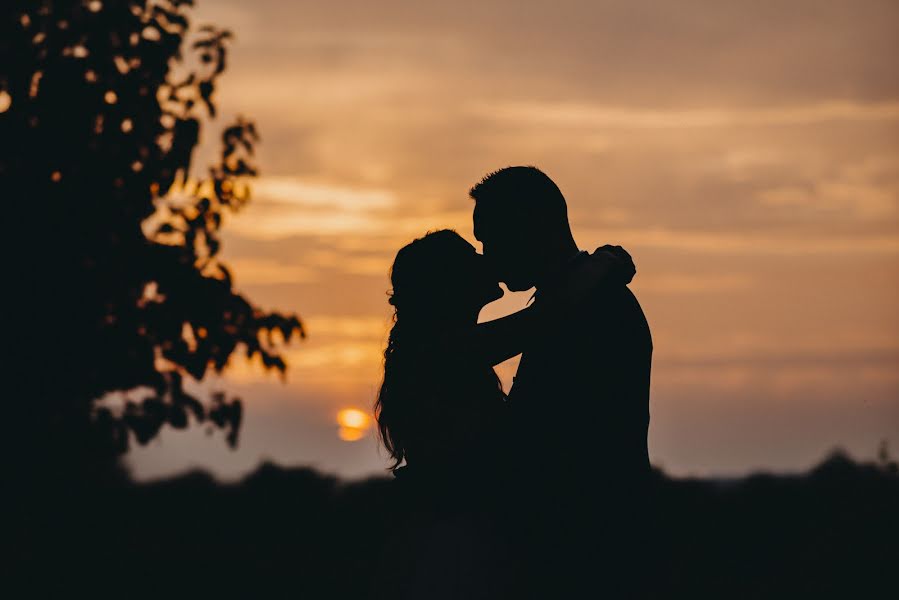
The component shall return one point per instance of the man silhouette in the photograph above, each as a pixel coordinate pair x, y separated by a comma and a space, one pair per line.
580, 400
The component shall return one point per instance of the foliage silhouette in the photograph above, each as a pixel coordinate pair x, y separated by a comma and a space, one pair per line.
101, 107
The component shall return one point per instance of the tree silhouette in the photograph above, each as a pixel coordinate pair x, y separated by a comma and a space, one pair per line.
118, 279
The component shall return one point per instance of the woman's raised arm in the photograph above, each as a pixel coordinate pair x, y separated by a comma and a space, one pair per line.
492, 342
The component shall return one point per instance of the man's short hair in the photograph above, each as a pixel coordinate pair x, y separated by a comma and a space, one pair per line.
524, 191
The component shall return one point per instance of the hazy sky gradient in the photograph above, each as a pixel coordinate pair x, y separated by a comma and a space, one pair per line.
745, 153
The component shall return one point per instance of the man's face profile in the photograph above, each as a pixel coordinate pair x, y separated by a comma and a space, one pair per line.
502, 246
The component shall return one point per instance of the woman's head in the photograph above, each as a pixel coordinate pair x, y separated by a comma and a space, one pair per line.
441, 279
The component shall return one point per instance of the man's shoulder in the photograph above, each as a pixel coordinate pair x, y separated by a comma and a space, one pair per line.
614, 306
613, 297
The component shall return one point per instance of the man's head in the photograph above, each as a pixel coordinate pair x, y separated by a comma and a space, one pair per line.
521, 219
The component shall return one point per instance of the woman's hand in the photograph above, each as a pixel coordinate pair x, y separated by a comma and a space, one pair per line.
621, 268
607, 265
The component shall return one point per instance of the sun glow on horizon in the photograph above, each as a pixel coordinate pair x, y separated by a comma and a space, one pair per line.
353, 424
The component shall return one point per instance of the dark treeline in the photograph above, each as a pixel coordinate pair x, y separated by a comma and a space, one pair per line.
828, 533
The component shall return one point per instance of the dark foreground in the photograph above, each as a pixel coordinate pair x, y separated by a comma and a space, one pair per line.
833, 532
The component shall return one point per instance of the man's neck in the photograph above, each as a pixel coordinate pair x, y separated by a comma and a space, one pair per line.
557, 264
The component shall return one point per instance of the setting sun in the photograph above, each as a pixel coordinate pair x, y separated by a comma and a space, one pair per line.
348, 434
353, 418
353, 423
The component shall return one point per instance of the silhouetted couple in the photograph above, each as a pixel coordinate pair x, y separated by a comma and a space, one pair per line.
541, 493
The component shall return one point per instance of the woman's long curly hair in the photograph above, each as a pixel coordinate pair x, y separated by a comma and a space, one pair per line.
431, 288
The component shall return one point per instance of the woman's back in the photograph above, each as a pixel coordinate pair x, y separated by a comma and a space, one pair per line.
453, 426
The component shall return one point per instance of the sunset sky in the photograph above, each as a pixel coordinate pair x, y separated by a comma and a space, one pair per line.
745, 153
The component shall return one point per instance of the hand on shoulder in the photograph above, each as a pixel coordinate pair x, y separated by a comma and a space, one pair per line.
618, 262
608, 265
